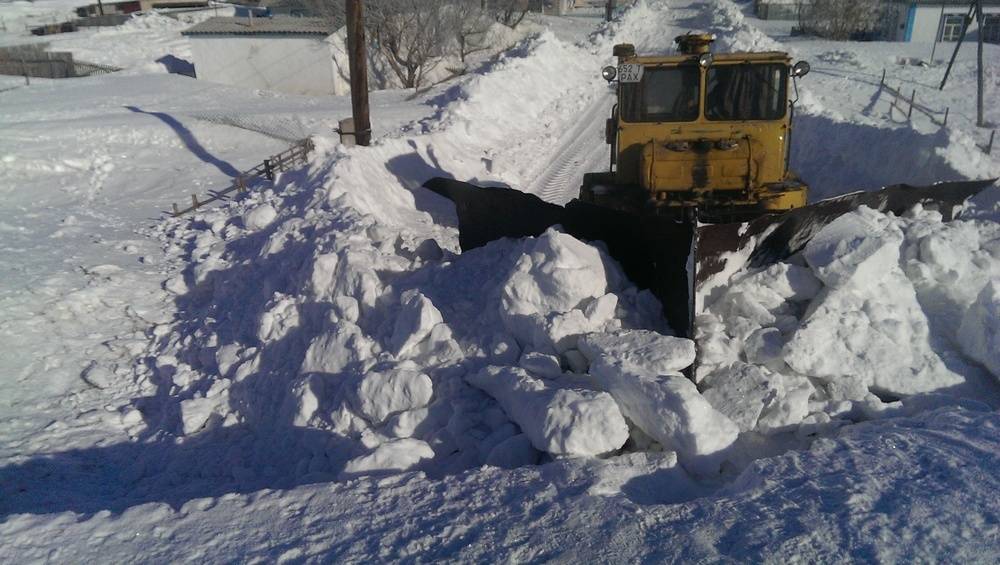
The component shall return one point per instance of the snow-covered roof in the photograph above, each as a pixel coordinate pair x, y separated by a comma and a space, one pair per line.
946, 2
255, 26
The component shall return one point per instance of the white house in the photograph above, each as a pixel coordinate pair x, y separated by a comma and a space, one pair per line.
294, 55
777, 9
907, 20
941, 20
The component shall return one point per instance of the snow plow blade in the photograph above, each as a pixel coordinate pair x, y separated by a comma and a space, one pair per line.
655, 251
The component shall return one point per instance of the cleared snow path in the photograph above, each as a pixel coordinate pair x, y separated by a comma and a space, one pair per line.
580, 150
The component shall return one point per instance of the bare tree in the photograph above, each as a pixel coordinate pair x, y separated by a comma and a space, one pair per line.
840, 19
507, 12
412, 35
469, 23
332, 10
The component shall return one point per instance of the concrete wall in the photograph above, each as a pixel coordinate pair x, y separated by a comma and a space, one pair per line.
926, 22
293, 64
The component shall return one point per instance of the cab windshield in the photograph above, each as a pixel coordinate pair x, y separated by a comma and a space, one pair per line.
746, 92
664, 94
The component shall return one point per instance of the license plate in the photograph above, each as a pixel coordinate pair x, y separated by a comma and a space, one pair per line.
630, 72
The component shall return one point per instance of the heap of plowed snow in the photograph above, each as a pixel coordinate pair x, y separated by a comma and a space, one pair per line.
876, 308
330, 327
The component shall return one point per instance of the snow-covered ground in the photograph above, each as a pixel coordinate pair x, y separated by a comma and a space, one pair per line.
314, 373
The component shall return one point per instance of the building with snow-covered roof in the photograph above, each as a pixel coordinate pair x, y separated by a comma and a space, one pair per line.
941, 20
777, 9
907, 20
133, 6
294, 55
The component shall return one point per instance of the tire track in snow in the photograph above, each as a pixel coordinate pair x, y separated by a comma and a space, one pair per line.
578, 151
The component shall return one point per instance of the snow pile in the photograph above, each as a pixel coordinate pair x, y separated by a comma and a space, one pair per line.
872, 310
336, 304
979, 334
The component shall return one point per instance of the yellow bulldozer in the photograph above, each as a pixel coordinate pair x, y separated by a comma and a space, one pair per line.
699, 131
698, 176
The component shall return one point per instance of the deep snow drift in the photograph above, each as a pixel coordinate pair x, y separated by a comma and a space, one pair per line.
324, 337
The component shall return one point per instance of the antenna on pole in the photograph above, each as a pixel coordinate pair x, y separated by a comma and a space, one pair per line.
975, 7
358, 66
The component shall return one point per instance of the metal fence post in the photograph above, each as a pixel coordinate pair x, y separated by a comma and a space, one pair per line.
913, 97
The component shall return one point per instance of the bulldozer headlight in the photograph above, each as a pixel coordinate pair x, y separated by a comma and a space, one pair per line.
679, 146
609, 73
705, 60
727, 145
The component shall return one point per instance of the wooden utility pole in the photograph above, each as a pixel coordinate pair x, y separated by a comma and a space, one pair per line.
961, 38
609, 10
358, 65
980, 121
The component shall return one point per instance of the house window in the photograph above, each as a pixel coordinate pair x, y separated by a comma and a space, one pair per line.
951, 26
991, 28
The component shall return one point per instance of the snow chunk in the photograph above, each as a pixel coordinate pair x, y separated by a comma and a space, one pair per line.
791, 407
515, 451
557, 275
396, 455
558, 420
260, 217
415, 320
878, 333
339, 349
541, 364
640, 350
601, 310
741, 392
979, 333
198, 414
858, 248
281, 317
306, 397
670, 410
380, 395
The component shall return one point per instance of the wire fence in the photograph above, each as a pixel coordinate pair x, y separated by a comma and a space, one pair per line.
52, 65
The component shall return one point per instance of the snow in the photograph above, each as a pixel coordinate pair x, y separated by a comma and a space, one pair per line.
670, 410
979, 333
641, 350
380, 395
560, 420
314, 372
396, 455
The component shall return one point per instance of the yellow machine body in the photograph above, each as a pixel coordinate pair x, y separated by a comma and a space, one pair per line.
708, 157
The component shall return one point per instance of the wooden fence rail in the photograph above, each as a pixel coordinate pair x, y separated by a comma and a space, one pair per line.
296, 155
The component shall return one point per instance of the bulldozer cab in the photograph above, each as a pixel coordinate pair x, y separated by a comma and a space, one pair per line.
703, 129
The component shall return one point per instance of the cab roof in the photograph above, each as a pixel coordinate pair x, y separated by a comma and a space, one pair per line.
755, 57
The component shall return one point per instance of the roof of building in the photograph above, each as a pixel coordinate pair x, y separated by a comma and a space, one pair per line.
965, 3
255, 26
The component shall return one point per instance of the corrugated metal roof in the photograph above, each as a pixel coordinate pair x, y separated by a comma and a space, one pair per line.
254, 26
986, 3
